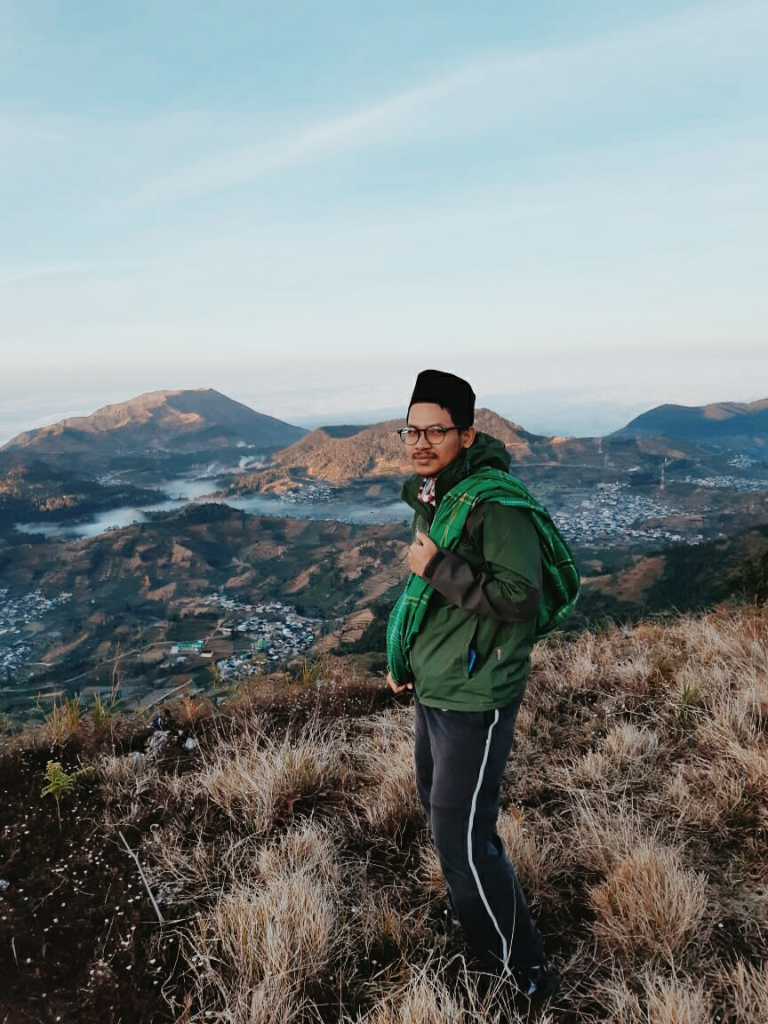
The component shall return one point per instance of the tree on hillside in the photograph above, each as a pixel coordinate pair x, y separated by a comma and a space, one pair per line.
750, 580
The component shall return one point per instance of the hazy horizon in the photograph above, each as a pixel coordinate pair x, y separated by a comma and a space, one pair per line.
549, 393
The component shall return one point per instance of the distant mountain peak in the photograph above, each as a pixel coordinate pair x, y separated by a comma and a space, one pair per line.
713, 422
183, 420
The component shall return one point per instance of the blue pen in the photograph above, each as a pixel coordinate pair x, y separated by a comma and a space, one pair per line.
472, 656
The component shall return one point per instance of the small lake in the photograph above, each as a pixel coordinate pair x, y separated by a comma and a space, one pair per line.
183, 491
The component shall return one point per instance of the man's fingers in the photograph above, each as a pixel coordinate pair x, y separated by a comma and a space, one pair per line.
392, 684
394, 687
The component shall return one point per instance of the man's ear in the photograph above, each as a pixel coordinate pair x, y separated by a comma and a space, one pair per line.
468, 437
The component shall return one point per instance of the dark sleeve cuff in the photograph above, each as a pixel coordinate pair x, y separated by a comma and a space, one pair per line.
434, 563
452, 577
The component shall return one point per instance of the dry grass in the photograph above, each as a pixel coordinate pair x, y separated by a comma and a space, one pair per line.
635, 808
747, 989
129, 781
253, 777
536, 850
274, 930
425, 998
385, 765
657, 1000
649, 906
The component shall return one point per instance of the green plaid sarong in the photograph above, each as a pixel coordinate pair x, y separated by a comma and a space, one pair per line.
560, 577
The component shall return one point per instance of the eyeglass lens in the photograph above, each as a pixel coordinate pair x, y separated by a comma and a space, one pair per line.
434, 435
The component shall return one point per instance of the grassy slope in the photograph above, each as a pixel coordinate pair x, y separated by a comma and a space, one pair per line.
294, 870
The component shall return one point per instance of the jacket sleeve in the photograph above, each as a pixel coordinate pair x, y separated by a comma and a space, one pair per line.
508, 586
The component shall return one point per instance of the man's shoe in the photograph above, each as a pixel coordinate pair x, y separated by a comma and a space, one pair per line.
450, 912
540, 982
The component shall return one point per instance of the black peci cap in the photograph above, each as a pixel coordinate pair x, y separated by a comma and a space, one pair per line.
448, 391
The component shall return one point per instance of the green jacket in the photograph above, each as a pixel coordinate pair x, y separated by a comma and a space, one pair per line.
480, 609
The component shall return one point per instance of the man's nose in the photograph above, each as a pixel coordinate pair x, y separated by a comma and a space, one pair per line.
422, 441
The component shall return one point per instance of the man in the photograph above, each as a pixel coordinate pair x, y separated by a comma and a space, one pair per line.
461, 636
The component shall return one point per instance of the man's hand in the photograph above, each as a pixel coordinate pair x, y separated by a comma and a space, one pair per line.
394, 687
421, 552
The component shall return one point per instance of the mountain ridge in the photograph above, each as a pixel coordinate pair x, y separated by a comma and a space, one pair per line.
717, 421
203, 419
171, 419
335, 454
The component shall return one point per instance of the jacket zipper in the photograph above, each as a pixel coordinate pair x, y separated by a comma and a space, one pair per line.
470, 655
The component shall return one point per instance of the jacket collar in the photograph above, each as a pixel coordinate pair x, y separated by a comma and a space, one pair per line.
486, 451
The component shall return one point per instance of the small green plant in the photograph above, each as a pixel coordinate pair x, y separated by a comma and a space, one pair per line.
310, 671
60, 782
99, 711
103, 711
687, 701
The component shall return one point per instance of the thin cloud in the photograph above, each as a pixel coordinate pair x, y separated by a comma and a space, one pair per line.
17, 132
521, 84
13, 276
325, 138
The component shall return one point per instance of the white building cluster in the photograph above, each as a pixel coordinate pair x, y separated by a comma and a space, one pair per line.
306, 493
739, 484
616, 512
275, 631
16, 614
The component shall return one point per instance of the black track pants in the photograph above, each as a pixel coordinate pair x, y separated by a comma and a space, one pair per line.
460, 759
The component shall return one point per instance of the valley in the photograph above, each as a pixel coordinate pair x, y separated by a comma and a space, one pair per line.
132, 573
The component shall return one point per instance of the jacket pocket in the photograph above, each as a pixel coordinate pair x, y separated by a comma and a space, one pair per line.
440, 650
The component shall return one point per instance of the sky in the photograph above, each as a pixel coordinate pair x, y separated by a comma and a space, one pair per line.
304, 204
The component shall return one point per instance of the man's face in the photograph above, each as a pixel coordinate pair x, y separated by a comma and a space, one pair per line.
428, 459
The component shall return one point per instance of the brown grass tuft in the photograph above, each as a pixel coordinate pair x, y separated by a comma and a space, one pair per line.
677, 1001
254, 777
267, 936
649, 906
389, 798
747, 986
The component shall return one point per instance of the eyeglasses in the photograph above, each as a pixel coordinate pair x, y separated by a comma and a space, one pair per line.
435, 435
